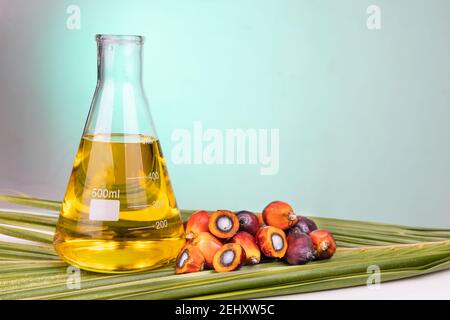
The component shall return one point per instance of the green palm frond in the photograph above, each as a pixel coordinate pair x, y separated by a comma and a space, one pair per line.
33, 271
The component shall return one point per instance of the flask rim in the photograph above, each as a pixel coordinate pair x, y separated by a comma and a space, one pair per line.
119, 38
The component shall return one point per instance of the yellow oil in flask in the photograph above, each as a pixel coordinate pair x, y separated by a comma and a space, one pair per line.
119, 213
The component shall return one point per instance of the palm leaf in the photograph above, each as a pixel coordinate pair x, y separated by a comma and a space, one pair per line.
347, 268
35, 272
30, 201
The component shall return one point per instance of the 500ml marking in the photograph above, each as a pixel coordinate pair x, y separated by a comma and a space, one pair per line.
103, 193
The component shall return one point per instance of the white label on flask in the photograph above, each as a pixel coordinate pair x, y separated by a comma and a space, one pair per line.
104, 210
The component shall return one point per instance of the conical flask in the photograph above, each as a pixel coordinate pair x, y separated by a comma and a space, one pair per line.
119, 213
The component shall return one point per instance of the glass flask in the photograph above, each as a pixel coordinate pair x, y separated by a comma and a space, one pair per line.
119, 212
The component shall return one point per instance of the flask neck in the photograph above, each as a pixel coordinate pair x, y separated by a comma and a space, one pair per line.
119, 59
119, 106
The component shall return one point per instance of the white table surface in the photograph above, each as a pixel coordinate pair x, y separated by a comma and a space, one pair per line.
431, 286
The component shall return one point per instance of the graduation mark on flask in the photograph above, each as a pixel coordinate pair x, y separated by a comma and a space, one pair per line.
153, 176
158, 203
160, 224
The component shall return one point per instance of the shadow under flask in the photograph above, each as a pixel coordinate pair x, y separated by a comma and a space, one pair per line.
119, 213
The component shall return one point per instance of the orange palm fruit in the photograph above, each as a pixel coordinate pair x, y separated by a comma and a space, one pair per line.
223, 224
272, 241
279, 214
230, 257
248, 243
324, 244
260, 219
189, 259
208, 246
197, 223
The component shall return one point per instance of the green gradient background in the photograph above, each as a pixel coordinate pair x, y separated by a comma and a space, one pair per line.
363, 115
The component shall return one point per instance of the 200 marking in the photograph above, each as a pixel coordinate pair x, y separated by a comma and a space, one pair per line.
161, 224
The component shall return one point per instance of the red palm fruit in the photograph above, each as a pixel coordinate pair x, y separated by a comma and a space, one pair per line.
248, 243
197, 222
189, 259
223, 224
300, 248
248, 222
208, 246
230, 257
272, 241
324, 244
304, 225
279, 214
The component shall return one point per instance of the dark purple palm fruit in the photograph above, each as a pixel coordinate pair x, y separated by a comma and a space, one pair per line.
300, 248
305, 225
248, 221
